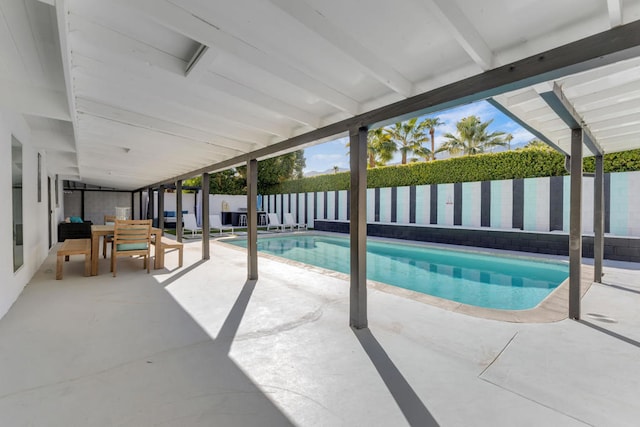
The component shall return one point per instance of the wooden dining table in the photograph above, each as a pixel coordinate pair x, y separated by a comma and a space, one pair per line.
98, 231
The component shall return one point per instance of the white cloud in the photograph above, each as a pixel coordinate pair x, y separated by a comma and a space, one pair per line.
480, 109
521, 136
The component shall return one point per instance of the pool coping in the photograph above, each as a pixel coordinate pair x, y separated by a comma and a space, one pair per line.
553, 308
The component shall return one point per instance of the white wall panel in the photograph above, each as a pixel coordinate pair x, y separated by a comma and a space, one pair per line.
331, 205
371, 205
320, 207
385, 204
423, 204
471, 195
445, 204
343, 201
402, 206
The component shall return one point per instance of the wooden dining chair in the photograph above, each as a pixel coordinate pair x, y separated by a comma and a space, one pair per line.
131, 237
108, 220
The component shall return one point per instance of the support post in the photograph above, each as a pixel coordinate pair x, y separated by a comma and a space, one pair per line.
179, 211
81, 203
252, 219
598, 219
205, 216
161, 207
358, 228
575, 225
151, 208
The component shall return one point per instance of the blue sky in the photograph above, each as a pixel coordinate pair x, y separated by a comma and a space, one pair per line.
334, 153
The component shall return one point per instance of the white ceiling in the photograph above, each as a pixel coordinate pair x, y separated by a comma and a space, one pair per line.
104, 87
606, 99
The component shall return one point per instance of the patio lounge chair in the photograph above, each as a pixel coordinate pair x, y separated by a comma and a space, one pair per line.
274, 222
191, 224
216, 224
290, 222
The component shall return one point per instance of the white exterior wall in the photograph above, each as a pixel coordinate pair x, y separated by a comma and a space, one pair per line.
97, 204
310, 213
536, 204
34, 215
342, 205
502, 204
331, 205
633, 206
445, 204
371, 205
385, 204
235, 202
402, 209
320, 207
587, 204
301, 207
471, 194
423, 204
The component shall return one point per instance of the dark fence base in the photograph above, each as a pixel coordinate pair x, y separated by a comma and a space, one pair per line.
556, 243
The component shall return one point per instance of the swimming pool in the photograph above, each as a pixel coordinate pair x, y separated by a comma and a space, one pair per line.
479, 279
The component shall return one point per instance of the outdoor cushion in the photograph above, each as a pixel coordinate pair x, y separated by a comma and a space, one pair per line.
75, 220
172, 214
132, 246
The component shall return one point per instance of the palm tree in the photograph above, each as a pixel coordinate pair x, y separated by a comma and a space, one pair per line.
508, 138
380, 147
423, 152
431, 123
408, 136
472, 137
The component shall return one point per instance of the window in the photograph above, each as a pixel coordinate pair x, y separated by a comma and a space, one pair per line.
16, 197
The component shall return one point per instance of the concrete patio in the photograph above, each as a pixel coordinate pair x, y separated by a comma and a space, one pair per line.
202, 346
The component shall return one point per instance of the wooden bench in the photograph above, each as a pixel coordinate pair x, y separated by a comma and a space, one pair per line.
74, 247
166, 243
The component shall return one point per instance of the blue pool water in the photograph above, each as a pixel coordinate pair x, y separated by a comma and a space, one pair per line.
483, 280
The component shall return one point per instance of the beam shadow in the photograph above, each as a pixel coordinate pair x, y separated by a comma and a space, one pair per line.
415, 412
622, 288
183, 366
610, 333
183, 272
269, 411
230, 326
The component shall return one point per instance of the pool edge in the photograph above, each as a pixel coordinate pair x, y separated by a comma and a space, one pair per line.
553, 308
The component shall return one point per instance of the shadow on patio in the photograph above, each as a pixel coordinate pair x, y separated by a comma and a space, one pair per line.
121, 351
201, 345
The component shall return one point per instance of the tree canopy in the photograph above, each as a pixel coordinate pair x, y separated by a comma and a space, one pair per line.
271, 171
409, 137
472, 137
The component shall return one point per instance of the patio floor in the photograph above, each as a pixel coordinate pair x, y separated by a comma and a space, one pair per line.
200, 345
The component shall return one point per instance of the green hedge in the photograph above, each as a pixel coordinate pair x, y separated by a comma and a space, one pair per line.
526, 163
623, 161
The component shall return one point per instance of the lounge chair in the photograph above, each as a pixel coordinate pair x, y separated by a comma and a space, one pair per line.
274, 222
191, 224
290, 222
216, 224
